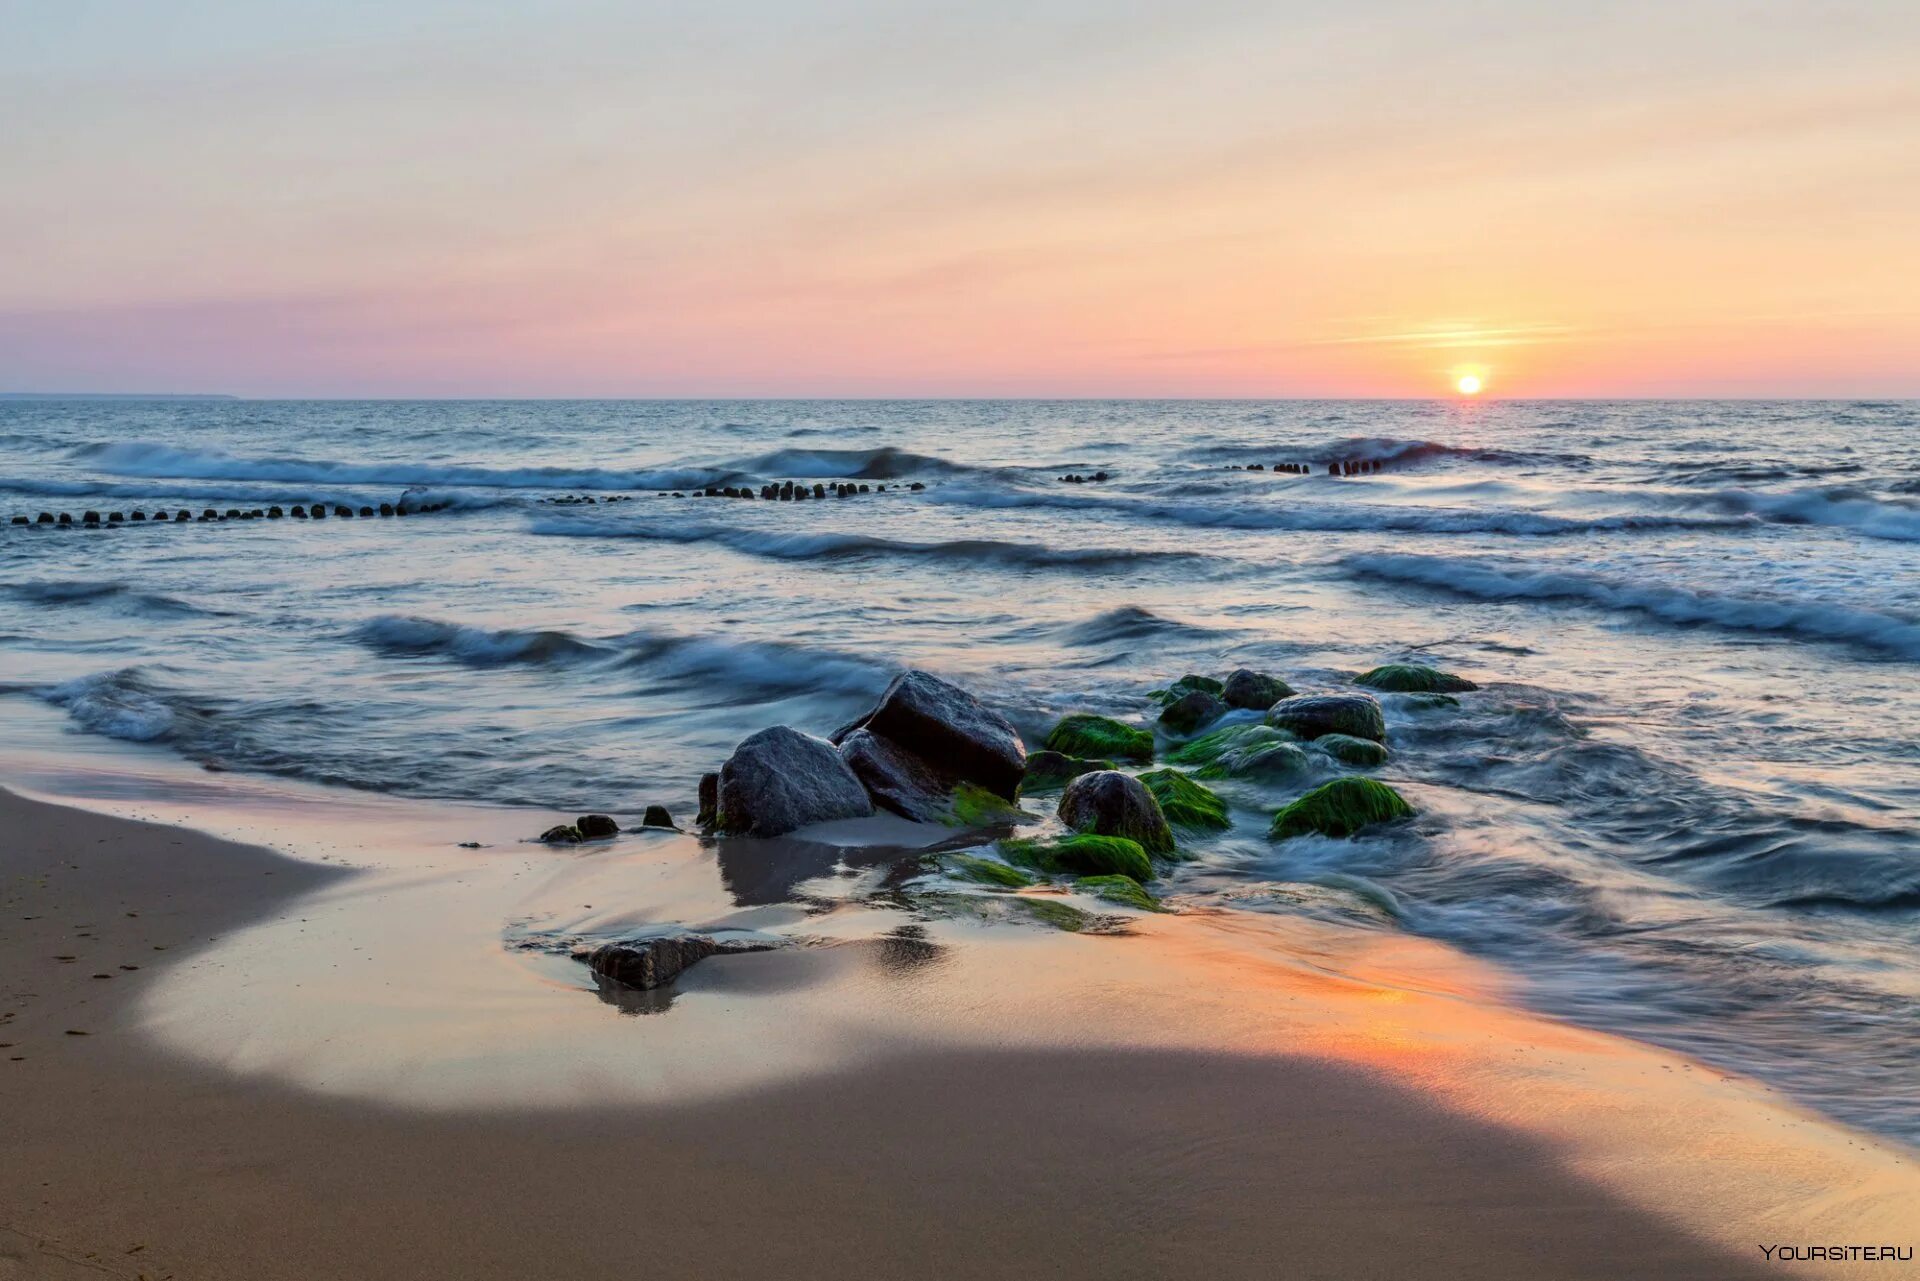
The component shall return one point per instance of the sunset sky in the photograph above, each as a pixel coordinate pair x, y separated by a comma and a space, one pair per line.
431, 197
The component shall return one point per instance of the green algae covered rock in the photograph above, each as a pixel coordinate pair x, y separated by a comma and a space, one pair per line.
1192, 711
1360, 752
1109, 803
986, 871
1188, 684
975, 806
1185, 802
1119, 889
1244, 751
1082, 855
1051, 771
1029, 909
1413, 678
1086, 735
1339, 808
1429, 702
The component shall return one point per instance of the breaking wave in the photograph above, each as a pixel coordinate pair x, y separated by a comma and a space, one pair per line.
121, 704
1808, 619
476, 646
1843, 507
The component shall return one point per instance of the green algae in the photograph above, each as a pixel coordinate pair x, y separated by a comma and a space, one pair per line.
1413, 678
986, 871
1340, 808
1243, 751
1051, 771
974, 806
1083, 854
1119, 889
1185, 802
1086, 735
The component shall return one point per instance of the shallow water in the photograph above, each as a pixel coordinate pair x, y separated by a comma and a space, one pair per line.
1684, 804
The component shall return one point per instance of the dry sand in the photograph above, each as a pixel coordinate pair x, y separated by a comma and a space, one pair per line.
119, 1157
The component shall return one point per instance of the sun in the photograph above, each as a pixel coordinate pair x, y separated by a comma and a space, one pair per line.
1467, 384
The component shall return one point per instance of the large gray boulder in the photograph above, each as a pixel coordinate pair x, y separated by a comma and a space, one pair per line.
896, 779
1311, 715
954, 734
780, 779
1109, 803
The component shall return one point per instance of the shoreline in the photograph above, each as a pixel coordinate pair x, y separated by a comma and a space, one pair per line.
1319, 1144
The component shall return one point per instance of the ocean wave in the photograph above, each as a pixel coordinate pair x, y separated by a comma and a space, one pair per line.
1129, 623
1383, 449
57, 592
834, 545
887, 462
150, 459
734, 669
475, 646
1843, 507
1334, 518
121, 704
1816, 620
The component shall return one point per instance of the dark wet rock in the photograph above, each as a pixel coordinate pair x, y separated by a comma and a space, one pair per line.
299, 512
274, 513
562, 834
1050, 771
1413, 678
1360, 752
44, 518
986, 871
20, 520
1340, 808
1311, 715
115, 518
916, 487
1190, 682
709, 800
1100, 737
780, 779
1191, 712
656, 816
1186, 803
953, 734
317, 512
182, 515
1243, 751
1255, 690
895, 778
1087, 854
386, 509
90, 518
1427, 702
1109, 803
656, 962
594, 827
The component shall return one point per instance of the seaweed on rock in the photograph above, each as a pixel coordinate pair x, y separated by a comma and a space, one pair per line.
1087, 735
1185, 802
1340, 808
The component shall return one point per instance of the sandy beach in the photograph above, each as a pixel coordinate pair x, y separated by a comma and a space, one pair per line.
1077, 1160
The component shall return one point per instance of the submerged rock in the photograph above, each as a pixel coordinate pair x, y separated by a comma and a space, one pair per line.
656, 816
1256, 691
656, 962
1428, 702
1184, 802
1340, 808
954, 735
1109, 803
1084, 855
1084, 734
1233, 751
593, 827
1414, 678
1050, 771
1311, 715
1352, 751
1119, 889
987, 871
562, 834
1192, 711
780, 779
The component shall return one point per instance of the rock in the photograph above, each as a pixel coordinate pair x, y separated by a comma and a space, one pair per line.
1352, 751
896, 779
657, 816
1184, 802
1189, 683
595, 827
1084, 855
1087, 735
953, 734
656, 962
1255, 690
1428, 702
1118, 889
1109, 803
1311, 715
1340, 808
709, 800
1413, 678
1049, 771
986, 871
1192, 711
1229, 747
780, 779
563, 834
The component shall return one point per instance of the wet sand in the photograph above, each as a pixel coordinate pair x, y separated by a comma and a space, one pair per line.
127, 1159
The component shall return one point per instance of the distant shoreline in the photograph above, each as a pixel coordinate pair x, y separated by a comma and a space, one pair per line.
114, 395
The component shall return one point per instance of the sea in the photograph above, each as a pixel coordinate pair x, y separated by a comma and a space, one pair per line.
1683, 805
